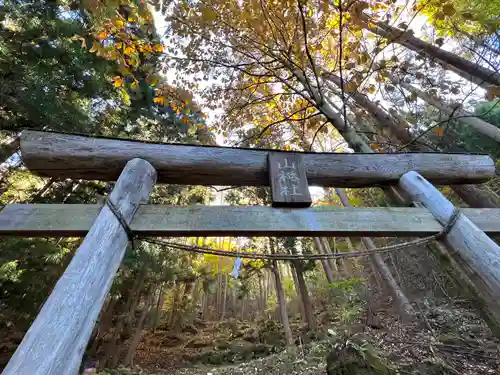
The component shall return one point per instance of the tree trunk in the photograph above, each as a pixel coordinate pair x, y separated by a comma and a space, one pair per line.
326, 108
372, 318
324, 262
218, 301
140, 323
355, 142
159, 306
261, 305
185, 305
280, 296
8, 148
474, 196
41, 192
304, 294
481, 126
383, 118
224, 296
233, 303
206, 291
384, 271
110, 353
104, 326
123, 329
328, 250
465, 68
194, 299
73, 191
295, 281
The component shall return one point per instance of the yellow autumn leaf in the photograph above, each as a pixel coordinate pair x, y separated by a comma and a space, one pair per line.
133, 62
371, 89
101, 35
287, 148
225, 134
158, 48
119, 45
130, 19
129, 50
203, 116
439, 131
212, 128
119, 23
159, 100
118, 81
134, 85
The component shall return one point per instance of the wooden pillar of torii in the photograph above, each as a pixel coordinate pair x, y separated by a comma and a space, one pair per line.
57, 339
55, 342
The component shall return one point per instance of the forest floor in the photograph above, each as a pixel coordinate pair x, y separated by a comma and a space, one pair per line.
443, 340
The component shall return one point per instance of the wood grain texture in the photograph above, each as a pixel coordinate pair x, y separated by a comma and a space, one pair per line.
476, 249
72, 220
56, 340
288, 181
68, 156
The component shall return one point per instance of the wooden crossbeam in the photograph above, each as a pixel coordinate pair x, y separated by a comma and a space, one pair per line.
68, 220
69, 156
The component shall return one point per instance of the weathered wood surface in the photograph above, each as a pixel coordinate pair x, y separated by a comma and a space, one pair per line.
78, 157
56, 340
162, 220
288, 181
476, 249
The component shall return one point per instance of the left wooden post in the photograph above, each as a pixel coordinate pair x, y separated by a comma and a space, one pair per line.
56, 340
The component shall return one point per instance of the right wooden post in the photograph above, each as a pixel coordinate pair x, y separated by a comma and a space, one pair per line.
479, 251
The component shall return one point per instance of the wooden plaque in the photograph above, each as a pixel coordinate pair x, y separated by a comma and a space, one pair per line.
288, 181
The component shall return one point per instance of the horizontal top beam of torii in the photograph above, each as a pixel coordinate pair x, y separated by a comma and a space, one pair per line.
62, 155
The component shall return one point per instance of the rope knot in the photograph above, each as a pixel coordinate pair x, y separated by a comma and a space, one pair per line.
118, 215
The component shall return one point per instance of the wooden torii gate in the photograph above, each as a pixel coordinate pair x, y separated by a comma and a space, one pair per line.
56, 341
